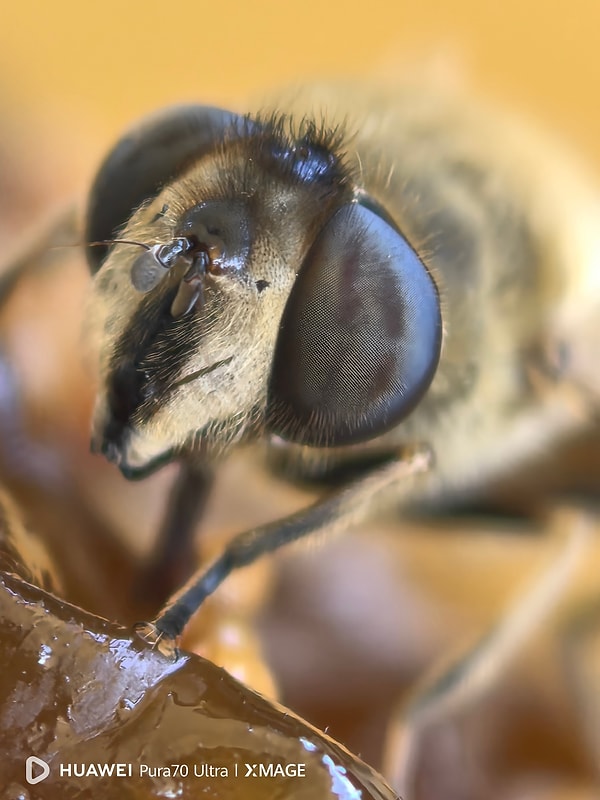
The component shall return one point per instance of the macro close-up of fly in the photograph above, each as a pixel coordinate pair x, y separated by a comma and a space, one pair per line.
387, 295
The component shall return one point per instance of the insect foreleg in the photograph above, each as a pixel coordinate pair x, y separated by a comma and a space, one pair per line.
336, 513
581, 646
173, 553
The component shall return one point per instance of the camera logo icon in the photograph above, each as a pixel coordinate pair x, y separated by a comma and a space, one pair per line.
33, 765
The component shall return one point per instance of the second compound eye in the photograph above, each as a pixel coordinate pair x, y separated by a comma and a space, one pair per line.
360, 336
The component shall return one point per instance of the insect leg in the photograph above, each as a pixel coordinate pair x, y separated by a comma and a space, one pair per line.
582, 660
475, 669
334, 514
173, 553
31, 251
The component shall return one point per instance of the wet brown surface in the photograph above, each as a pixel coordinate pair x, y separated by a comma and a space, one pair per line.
76, 690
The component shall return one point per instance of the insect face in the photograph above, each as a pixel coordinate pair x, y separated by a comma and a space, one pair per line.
267, 281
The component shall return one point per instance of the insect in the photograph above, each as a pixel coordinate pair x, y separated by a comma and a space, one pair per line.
383, 287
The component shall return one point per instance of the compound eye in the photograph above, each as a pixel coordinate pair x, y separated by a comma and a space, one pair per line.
360, 336
147, 158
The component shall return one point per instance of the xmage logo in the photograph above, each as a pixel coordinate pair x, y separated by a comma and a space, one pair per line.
30, 777
275, 770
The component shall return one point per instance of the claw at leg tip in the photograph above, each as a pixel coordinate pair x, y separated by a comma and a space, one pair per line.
157, 639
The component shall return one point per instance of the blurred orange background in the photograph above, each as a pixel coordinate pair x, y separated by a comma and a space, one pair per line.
93, 67
73, 75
